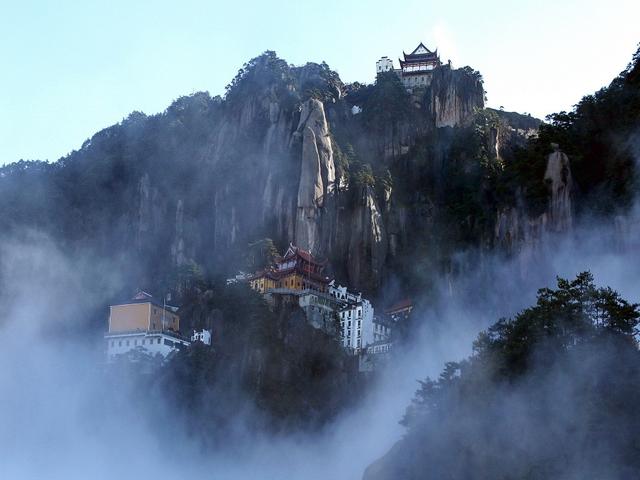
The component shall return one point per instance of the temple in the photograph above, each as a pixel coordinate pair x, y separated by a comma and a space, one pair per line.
420, 60
298, 269
416, 69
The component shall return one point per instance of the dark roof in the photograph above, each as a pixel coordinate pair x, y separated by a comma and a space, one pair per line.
418, 48
400, 305
264, 273
278, 274
293, 251
420, 57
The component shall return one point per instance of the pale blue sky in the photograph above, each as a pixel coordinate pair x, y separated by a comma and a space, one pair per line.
71, 68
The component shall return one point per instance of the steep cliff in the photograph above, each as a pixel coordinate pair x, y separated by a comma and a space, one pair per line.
558, 175
317, 173
284, 156
518, 230
455, 96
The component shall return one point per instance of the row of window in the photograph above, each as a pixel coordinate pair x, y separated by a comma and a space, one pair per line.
347, 314
127, 343
358, 324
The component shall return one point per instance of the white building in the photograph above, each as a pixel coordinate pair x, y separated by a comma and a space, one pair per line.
339, 309
162, 343
385, 64
356, 318
238, 278
203, 336
143, 323
374, 356
381, 329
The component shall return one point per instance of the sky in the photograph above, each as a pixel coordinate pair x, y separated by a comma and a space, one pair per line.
70, 68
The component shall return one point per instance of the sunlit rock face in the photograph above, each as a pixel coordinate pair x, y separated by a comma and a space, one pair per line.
518, 232
558, 174
317, 173
200, 181
456, 94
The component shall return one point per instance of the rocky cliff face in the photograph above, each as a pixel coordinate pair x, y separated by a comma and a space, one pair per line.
317, 174
282, 156
517, 231
269, 169
455, 95
558, 175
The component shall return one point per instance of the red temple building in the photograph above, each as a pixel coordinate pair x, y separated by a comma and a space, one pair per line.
420, 60
416, 69
298, 269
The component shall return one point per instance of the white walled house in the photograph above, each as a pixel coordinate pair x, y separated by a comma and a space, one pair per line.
356, 325
385, 64
338, 308
381, 329
162, 343
204, 336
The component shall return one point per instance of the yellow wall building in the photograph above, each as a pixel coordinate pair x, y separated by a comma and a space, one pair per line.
142, 314
297, 270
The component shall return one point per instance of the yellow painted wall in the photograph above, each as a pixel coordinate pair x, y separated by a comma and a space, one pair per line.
134, 316
293, 281
262, 284
171, 320
141, 316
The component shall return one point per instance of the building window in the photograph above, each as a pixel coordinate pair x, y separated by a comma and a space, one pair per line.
127, 343
158, 342
120, 343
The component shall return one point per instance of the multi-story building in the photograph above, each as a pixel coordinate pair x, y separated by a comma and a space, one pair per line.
298, 278
416, 69
356, 318
143, 323
298, 269
381, 329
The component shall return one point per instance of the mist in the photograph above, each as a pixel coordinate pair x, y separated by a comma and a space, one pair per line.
63, 417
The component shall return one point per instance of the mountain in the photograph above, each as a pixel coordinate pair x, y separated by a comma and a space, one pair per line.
386, 183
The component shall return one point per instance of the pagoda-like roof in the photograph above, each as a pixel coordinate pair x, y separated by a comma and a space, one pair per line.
294, 251
420, 54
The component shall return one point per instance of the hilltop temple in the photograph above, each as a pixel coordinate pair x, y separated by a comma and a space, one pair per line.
416, 69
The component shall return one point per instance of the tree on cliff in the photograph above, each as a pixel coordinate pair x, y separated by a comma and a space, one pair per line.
598, 136
387, 106
268, 367
550, 393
